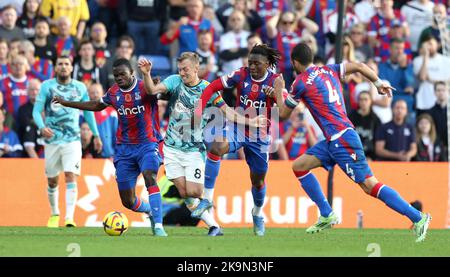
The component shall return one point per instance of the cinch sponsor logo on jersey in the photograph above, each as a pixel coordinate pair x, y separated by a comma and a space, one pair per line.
316, 73
19, 92
252, 103
127, 111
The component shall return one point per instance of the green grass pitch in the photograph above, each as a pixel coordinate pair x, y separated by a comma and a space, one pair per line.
185, 241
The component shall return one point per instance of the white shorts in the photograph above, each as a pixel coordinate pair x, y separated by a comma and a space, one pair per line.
62, 157
188, 164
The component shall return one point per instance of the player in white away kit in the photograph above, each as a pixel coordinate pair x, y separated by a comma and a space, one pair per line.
62, 136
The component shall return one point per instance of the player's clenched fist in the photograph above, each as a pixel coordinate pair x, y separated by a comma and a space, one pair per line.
145, 66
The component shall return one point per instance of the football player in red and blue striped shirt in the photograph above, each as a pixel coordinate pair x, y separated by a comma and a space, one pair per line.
253, 85
137, 139
319, 88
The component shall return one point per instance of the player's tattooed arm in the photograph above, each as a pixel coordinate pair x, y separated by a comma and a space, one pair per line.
382, 87
95, 106
146, 67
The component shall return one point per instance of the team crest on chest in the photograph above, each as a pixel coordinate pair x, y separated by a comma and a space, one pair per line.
137, 96
74, 93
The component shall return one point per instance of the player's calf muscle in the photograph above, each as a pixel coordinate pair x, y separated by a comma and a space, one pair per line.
305, 163
219, 148
194, 190
369, 184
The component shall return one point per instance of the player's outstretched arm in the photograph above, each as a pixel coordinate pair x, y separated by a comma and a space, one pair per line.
213, 87
146, 67
231, 114
382, 87
87, 106
278, 85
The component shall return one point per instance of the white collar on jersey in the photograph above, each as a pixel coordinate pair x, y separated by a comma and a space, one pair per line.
132, 86
262, 79
18, 80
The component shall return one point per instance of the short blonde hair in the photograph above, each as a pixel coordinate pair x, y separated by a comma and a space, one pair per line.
193, 57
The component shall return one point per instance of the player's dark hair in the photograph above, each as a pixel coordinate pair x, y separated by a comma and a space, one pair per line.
124, 62
64, 57
302, 53
272, 55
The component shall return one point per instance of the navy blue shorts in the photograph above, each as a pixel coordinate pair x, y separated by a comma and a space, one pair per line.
346, 151
132, 159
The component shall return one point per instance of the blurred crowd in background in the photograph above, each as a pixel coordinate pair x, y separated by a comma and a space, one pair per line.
406, 42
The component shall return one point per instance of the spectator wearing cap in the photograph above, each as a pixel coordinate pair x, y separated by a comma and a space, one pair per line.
8, 28
396, 140
429, 68
396, 32
418, 14
399, 73
185, 30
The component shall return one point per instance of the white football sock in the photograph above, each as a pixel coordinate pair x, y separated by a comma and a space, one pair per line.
208, 194
209, 219
71, 199
53, 195
192, 203
257, 211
